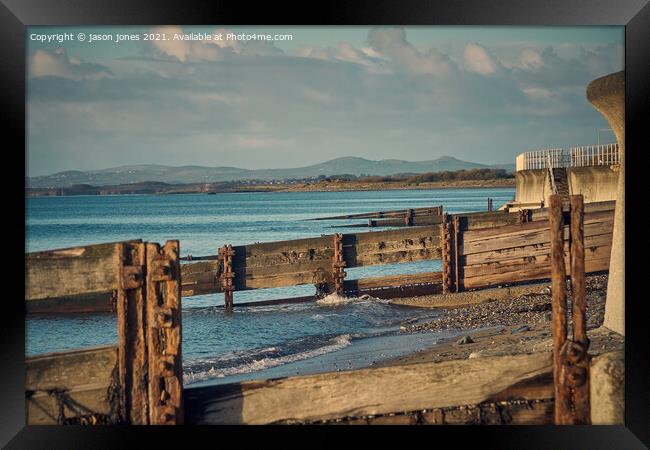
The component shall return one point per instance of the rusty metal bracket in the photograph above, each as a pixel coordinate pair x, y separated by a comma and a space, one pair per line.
149, 334
165, 364
131, 277
338, 274
227, 275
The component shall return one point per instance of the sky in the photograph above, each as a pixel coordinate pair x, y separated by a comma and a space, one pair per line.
481, 94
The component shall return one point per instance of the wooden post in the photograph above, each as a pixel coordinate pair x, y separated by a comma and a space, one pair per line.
227, 274
456, 252
408, 218
338, 274
165, 362
149, 334
131, 298
577, 356
558, 304
570, 357
489, 204
447, 253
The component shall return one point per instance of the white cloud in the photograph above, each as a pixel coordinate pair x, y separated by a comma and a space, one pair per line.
260, 143
537, 92
57, 63
530, 60
478, 60
404, 57
187, 50
236, 103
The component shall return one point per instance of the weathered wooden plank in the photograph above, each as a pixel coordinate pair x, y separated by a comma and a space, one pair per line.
289, 265
398, 256
534, 271
255, 254
393, 246
85, 375
534, 412
43, 408
515, 229
526, 236
494, 219
70, 368
395, 222
279, 280
199, 278
409, 290
529, 250
362, 392
428, 210
84, 303
70, 271
393, 281
542, 213
470, 220
506, 265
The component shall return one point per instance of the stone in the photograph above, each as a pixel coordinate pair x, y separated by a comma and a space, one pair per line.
520, 329
607, 389
465, 340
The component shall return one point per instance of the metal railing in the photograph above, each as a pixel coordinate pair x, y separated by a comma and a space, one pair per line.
578, 156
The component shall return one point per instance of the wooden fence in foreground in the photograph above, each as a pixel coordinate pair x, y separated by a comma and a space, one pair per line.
139, 381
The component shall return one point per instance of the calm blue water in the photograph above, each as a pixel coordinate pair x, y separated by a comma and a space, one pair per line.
250, 342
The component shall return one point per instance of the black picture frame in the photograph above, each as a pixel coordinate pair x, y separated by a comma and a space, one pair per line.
15, 15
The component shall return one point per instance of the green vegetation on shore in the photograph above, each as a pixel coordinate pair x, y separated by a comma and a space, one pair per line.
465, 178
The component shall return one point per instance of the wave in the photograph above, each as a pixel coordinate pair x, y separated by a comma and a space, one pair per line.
259, 359
336, 299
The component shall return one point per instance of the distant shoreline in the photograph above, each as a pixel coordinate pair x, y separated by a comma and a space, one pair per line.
320, 186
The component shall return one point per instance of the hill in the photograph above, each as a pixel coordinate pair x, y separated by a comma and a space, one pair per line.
201, 174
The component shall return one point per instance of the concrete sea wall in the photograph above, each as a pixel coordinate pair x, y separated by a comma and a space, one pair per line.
596, 183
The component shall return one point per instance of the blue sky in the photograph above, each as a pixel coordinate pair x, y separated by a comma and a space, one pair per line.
482, 94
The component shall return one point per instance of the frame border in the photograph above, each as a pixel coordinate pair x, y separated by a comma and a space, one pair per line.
16, 15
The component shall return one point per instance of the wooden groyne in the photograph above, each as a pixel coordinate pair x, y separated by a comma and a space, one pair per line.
139, 380
479, 250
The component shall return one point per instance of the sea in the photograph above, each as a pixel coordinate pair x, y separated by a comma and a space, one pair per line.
250, 342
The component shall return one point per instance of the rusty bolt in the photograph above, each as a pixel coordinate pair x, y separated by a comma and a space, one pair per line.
576, 351
162, 270
164, 318
577, 376
166, 366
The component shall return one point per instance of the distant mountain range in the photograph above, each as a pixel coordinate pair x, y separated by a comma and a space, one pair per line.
199, 174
